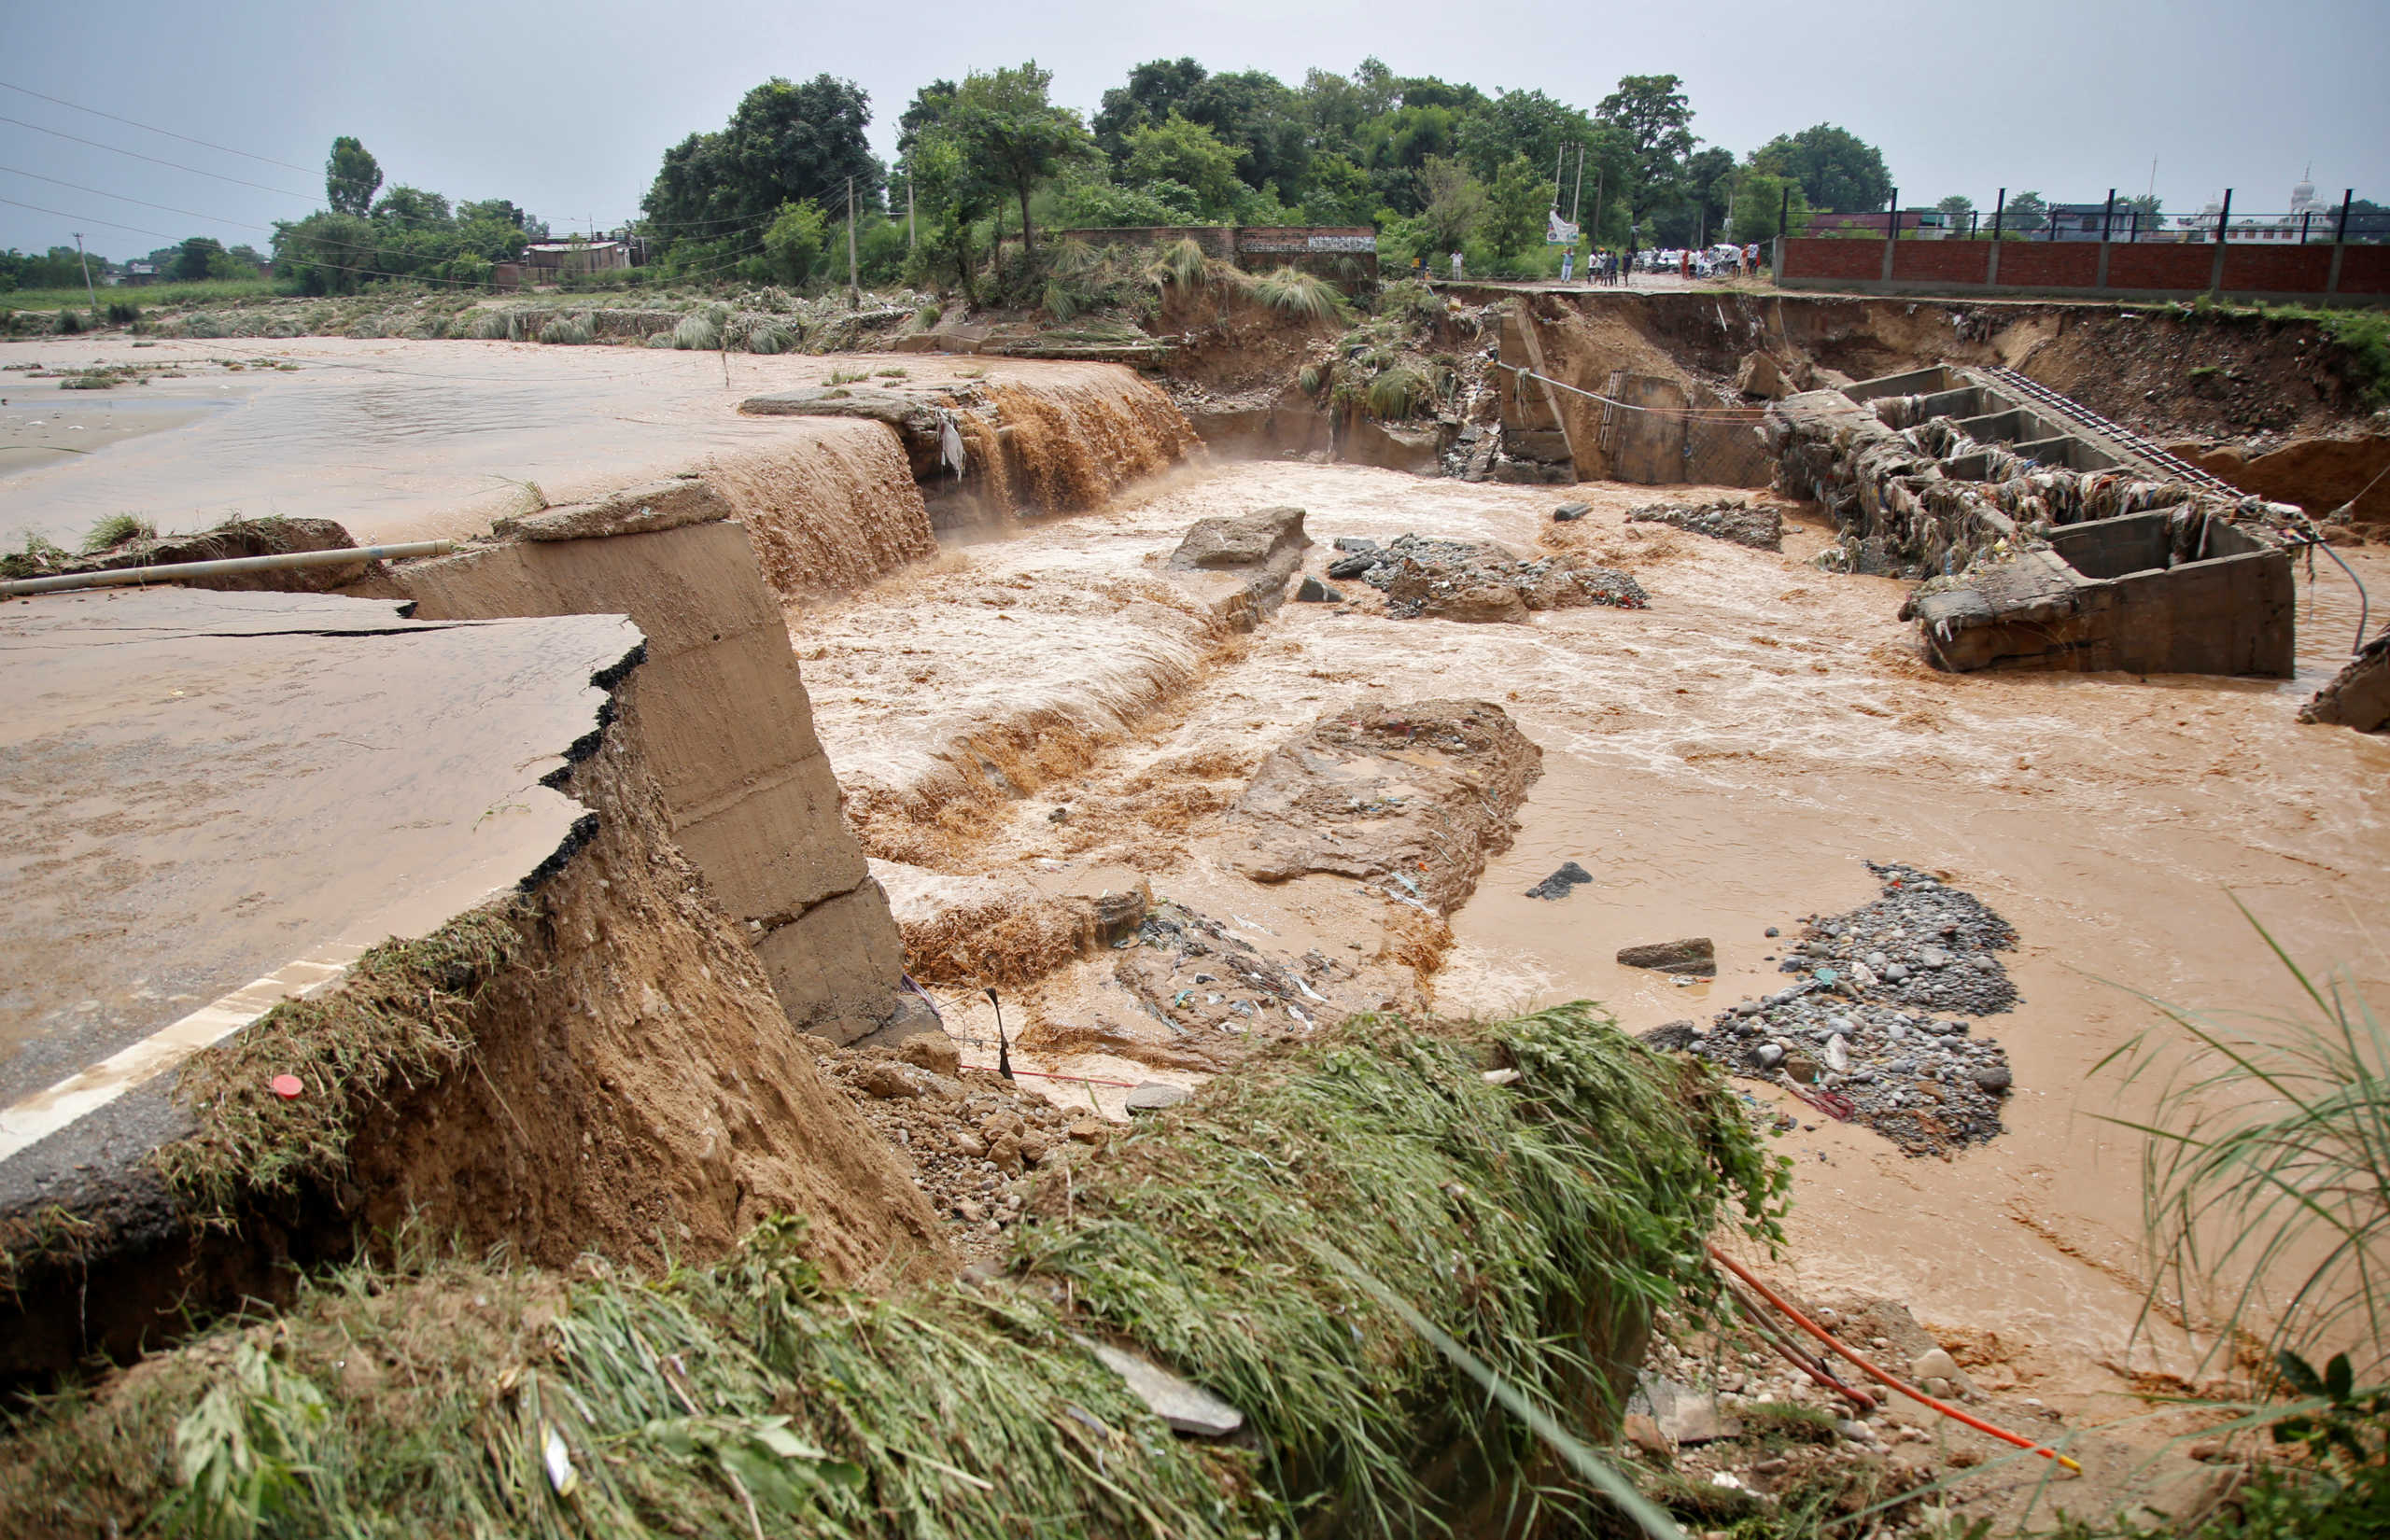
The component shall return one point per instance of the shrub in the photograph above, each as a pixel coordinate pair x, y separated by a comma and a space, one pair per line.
1295, 292
569, 331
123, 313
69, 323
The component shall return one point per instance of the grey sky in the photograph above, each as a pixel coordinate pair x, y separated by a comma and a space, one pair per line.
566, 109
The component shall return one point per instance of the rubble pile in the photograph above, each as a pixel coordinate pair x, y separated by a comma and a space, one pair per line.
970, 1135
1877, 1021
1456, 580
1193, 974
1761, 528
1914, 498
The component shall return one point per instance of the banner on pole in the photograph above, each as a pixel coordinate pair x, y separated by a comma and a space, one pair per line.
1558, 231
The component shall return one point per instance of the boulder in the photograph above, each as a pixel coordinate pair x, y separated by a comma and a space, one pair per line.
1760, 378
1155, 1096
1313, 590
1251, 540
1694, 955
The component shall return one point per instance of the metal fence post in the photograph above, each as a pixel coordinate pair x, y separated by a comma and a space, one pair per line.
1891, 232
1991, 258
2340, 242
2107, 223
2223, 227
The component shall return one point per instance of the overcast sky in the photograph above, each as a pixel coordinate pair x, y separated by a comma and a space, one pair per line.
565, 107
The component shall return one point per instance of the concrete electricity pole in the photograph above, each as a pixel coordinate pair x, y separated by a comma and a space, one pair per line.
854, 289
87, 276
909, 242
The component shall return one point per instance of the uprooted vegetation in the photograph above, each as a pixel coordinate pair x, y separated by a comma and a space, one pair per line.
453, 1397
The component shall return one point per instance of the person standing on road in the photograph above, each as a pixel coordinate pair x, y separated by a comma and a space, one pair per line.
1455, 267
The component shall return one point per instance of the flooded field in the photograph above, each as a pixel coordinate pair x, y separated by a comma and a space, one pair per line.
394, 439
1722, 762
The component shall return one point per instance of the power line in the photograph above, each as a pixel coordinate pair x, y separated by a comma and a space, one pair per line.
152, 127
162, 208
175, 165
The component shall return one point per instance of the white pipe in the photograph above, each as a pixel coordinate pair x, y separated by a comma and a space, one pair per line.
178, 571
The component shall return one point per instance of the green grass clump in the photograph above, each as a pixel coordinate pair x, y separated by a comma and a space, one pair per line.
1411, 303
1534, 1225
1294, 292
38, 558
118, 529
2363, 337
1399, 393
399, 1019
701, 329
1537, 1224
568, 330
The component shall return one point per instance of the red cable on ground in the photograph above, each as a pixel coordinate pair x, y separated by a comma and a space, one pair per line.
1874, 1373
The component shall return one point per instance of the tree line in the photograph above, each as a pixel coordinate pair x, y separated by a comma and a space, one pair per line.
1432, 165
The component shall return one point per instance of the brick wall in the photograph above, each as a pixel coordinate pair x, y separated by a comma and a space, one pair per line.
2365, 269
1946, 261
2282, 270
2160, 265
1819, 257
2050, 264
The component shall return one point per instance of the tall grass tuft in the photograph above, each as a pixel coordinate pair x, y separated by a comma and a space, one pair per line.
1400, 392
701, 329
568, 330
118, 529
1295, 292
1182, 265
2268, 1161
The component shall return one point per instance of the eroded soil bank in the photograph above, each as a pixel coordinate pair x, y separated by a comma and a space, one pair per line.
1721, 762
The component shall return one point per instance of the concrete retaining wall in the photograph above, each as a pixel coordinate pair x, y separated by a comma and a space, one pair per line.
727, 730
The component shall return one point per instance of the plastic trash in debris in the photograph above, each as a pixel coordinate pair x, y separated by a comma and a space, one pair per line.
285, 1087
558, 1455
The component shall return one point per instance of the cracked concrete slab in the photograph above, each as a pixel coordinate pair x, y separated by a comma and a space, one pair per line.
218, 800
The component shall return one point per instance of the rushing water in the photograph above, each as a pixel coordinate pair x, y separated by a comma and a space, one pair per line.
1722, 762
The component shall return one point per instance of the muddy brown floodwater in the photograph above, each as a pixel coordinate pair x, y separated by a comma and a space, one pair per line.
1721, 762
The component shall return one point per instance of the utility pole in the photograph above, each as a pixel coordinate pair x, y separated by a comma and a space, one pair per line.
87, 276
854, 289
909, 242
1577, 199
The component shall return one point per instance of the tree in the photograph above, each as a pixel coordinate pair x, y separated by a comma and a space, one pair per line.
351, 177
413, 207
1517, 208
1451, 202
953, 198
198, 257
1523, 122
1177, 151
2150, 208
1708, 187
795, 241
785, 143
1958, 211
1340, 192
1836, 169
502, 211
1395, 147
1761, 201
1260, 118
2026, 213
1156, 89
1012, 136
1654, 121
